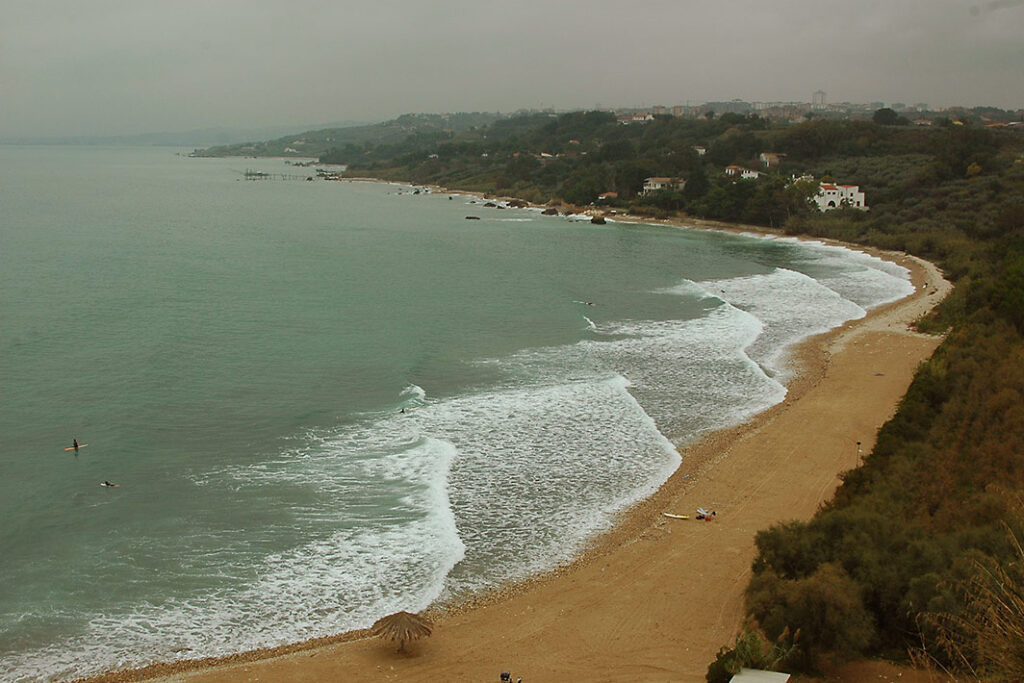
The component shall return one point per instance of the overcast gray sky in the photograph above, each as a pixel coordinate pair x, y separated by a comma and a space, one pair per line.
101, 67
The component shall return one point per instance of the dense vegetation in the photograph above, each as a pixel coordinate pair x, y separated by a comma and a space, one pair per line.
880, 570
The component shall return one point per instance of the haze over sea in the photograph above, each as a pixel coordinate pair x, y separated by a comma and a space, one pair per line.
238, 356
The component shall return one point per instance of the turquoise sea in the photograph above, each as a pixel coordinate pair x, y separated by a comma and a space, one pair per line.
327, 401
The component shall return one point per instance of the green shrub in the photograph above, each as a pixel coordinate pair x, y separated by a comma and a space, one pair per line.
824, 608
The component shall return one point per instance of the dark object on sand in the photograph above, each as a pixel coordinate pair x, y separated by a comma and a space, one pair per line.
401, 626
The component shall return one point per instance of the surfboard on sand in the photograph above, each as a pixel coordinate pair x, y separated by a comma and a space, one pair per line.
669, 514
81, 445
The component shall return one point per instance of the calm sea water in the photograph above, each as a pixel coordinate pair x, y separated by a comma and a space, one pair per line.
325, 402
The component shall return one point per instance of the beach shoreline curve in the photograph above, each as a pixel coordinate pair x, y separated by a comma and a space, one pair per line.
516, 627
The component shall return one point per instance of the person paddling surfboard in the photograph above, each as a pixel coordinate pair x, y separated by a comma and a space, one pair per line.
75, 446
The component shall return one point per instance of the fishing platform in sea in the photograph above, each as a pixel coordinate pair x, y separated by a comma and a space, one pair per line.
251, 174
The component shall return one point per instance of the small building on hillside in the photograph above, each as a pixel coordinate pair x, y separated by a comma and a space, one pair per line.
640, 117
771, 159
607, 196
738, 172
832, 196
657, 184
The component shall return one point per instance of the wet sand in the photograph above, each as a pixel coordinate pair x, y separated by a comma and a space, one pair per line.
655, 598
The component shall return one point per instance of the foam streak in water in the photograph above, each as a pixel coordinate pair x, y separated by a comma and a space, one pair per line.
541, 468
790, 305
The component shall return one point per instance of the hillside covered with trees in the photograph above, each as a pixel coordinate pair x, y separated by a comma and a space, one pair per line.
314, 143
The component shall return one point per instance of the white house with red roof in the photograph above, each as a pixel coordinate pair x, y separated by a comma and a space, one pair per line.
832, 196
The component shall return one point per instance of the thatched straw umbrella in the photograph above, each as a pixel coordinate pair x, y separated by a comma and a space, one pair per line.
401, 626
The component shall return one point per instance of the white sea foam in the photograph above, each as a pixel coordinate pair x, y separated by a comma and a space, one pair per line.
541, 467
693, 376
577, 216
526, 472
350, 573
790, 305
413, 395
867, 280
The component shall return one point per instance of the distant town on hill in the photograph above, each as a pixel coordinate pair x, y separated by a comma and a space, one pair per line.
314, 143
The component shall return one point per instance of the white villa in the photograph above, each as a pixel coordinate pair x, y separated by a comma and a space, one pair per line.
658, 183
832, 196
742, 173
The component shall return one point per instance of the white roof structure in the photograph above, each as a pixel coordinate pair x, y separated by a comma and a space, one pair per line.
758, 676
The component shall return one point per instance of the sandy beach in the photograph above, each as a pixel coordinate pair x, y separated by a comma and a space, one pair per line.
655, 598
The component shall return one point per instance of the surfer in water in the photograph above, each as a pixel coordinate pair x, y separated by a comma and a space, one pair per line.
74, 444
110, 484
